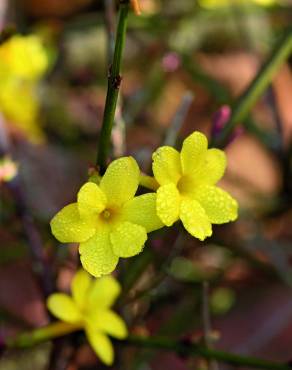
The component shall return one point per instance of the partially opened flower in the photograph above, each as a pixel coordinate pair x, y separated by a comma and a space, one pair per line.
187, 188
108, 220
89, 309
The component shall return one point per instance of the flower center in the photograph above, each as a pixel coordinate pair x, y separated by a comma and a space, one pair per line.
109, 216
185, 185
106, 214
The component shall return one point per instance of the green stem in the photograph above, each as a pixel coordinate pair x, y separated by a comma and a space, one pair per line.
148, 182
256, 88
114, 81
184, 349
29, 339
60, 328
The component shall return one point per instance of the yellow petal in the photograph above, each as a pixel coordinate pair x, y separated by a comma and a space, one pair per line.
166, 165
110, 323
80, 287
128, 239
120, 181
101, 345
141, 210
68, 227
194, 219
213, 168
104, 292
193, 152
219, 206
64, 308
97, 256
168, 204
91, 199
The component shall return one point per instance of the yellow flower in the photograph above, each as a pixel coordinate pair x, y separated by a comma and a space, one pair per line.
89, 308
107, 220
187, 186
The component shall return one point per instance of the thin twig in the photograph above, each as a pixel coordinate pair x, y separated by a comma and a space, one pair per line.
163, 343
59, 329
114, 81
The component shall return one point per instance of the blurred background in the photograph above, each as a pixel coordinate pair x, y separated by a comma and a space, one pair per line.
184, 64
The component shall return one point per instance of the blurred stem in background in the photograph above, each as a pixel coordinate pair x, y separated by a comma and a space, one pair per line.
191, 349
114, 81
212, 365
59, 328
256, 88
40, 264
109, 7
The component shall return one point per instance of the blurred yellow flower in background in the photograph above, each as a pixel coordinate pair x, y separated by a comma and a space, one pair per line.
212, 4
23, 57
89, 309
23, 62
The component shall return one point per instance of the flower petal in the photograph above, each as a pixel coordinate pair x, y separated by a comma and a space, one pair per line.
128, 239
141, 210
97, 256
91, 199
101, 345
168, 204
166, 165
219, 206
109, 322
104, 292
64, 308
68, 227
120, 181
213, 167
194, 219
193, 152
80, 287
